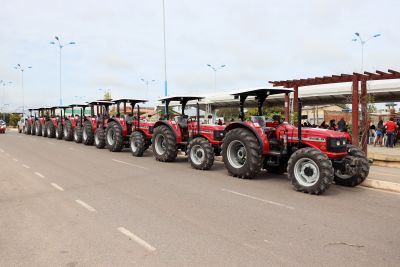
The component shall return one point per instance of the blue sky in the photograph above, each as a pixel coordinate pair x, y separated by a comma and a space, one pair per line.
120, 42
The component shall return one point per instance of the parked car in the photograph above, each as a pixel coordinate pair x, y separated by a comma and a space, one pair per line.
3, 126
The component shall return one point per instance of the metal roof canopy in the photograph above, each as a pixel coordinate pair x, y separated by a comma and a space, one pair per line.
78, 106
263, 91
355, 78
129, 100
180, 98
62, 107
102, 102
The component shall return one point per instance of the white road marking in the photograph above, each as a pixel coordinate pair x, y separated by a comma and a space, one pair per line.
25, 166
86, 206
137, 239
14, 159
39, 174
259, 199
57, 186
130, 164
51, 143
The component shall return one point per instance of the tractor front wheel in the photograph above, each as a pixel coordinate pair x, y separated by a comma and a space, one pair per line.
51, 130
28, 129
87, 135
310, 170
201, 154
44, 130
164, 144
78, 133
114, 138
242, 153
99, 138
138, 144
353, 175
38, 128
68, 132
59, 131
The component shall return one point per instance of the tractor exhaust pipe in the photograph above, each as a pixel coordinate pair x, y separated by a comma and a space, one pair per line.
198, 118
299, 106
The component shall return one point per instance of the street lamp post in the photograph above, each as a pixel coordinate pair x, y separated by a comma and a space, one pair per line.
22, 69
60, 45
147, 82
165, 53
363, 42
215, 69
4, 83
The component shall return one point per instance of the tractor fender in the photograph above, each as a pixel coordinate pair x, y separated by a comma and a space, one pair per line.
235, 125
174, 128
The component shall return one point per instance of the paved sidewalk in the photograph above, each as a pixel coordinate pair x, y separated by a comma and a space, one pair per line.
385, 156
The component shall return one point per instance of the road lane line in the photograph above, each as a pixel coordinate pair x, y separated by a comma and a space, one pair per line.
14, 159
137, 239
86, 206
57, 186
25, 166
39, 174
259, 199
51, 143
130, 164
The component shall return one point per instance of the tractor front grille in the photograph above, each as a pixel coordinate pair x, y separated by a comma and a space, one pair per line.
219, 135
336, 144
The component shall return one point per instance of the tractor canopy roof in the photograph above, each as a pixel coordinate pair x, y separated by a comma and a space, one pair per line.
132, 101
102, 103
78, 105
59, 107
43, 108
262, 92
180, 98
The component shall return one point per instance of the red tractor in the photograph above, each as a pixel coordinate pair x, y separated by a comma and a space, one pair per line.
313, 157
199, 141
72, 127
119, 128
54, 126
141, 135
43, 116
29, 127
94, 126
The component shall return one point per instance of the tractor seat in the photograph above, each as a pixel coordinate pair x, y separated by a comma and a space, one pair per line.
129, 119
182, 121
258, 119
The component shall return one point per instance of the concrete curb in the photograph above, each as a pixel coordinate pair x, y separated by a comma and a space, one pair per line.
384, 157
383, 185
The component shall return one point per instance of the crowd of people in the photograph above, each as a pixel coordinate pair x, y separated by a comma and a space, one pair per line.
341, 126
387, 133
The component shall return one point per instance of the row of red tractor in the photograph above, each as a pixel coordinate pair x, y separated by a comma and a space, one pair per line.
313, 158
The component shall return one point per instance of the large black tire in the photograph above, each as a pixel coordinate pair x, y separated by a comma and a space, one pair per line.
51, 130
280, 169
99, 138
33, 130
200, 153
242, 153
137, 144
114, 138
44, 129
68, 132
359, 176
78, 133
38, 128
59, 131
87, 134
310, 170
164, 144
28, 129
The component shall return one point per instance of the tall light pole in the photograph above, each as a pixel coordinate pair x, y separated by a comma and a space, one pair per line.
147, 82
363, 42
4, 83
61, 46
22, 69
165, 53
215, 69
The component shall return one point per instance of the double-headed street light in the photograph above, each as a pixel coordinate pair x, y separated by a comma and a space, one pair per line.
215, 69
363, 42
147, 82
61, 46
4, 83
22, 69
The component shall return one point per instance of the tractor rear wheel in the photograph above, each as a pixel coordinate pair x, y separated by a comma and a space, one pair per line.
87, 134
33, 130
28, 129
59, 131
310, 170
68, 132
242, 153
164, 144
51, 130
359, 176
201, 154
38, 128
78, 133
138, 144
99, 138
44, 129
114, 138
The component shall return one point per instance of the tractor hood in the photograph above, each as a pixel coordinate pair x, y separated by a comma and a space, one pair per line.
309, 132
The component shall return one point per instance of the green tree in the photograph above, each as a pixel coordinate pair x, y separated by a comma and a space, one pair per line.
107, 96
14, 118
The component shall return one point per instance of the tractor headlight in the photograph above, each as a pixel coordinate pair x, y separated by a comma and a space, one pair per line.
219, 135
336, 144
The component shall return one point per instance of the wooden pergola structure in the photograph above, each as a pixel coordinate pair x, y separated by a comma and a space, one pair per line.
355, 79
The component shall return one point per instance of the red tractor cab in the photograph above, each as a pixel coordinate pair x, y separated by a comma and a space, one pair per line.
199, 141
43, 117
94, 126
119, 128
312, 157
72, 127
54, 126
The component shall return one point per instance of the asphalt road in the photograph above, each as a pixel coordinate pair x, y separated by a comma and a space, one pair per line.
66, 204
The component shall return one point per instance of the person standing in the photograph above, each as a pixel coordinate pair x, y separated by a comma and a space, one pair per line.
341, 125
390, 129
379, 133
